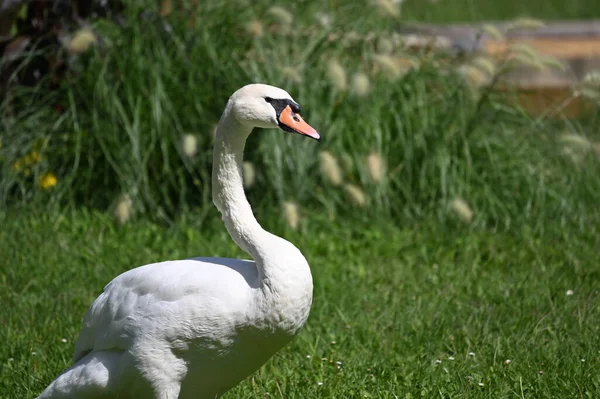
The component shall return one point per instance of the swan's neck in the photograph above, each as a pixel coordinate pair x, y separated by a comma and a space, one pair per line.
229, 197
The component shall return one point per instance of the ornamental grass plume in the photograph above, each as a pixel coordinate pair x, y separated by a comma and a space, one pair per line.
393, 67
361, 86
575, 146
492, 32
526, 23
123, 209
330, 168
249, 174
189, 145
81, 41
356, 196
291, 214
337, 74
375, 167
460, 207
292, 73
281, 15
255, 28
390, 8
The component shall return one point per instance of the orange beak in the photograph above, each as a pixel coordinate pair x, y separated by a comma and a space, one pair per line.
295, 122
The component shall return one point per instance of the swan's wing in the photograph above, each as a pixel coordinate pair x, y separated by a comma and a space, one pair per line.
168, 299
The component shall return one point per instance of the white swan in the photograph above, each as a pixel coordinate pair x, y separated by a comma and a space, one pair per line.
195, 328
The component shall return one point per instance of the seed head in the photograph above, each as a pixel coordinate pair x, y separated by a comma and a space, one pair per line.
337, 74
527, 23
390, 8
283, 16
249, 174
189, 145
81, 41
292, 216
375, 167
355, 194
462, 210
255, 28
330, 168
360, 84
123, 209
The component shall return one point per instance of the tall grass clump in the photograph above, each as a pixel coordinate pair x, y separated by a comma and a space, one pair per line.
410, 130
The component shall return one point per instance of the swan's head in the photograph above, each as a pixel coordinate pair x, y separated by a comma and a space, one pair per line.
259, 105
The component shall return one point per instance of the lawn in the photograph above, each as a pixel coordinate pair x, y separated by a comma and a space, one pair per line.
453, 238
413, 311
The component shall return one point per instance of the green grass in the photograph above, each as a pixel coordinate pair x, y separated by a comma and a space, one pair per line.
399, 283
389, 302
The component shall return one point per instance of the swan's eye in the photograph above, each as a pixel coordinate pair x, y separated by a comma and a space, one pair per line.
268, 99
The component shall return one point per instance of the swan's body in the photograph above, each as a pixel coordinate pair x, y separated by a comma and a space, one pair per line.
195, 328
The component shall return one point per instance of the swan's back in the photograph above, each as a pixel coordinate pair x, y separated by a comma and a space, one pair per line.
166, 297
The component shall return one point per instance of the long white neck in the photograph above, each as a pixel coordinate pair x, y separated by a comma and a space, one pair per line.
228, 191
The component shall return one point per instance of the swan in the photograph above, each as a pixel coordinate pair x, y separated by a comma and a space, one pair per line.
195, 328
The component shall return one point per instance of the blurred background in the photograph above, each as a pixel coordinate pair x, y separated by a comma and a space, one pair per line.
451, 208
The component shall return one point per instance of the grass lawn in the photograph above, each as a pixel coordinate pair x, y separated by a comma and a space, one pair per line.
424, 310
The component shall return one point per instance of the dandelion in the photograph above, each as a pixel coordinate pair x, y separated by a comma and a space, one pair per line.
471, 353
465, 213
292, 73
450, 357
507, 362
375, 167
33, 353
333, 342
438, 361
189, 145
308, 356
330, 168
292, 216
48, 181
32, 158
337, 75
283, 16
492, 32
570, 292
64, 340
526, 23
17, 165
123, 209
319, 383
255, 28
582, 360
360, 84
480, 384
81, 41
355, 194
249, 174
389, 8
338, 363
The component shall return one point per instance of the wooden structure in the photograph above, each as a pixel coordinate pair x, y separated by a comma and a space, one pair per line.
576, 44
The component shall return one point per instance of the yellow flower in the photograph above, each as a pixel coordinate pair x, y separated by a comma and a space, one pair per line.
33, 157
47, 181
17, 165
